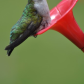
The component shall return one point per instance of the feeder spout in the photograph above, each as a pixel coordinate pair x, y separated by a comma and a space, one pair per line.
68, 27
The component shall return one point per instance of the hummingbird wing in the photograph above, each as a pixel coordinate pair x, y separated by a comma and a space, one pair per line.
29, 31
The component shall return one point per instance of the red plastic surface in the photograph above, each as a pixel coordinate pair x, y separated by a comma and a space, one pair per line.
63, 21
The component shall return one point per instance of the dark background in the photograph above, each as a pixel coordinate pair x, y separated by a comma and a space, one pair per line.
48, 59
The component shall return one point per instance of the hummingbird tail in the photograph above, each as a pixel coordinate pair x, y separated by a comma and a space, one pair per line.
9, 52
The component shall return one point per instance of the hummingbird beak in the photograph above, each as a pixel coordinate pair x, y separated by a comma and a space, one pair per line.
64, 22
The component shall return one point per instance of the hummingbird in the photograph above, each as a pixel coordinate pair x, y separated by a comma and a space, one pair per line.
34, 18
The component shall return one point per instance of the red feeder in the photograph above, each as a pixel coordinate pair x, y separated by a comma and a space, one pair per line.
63, 21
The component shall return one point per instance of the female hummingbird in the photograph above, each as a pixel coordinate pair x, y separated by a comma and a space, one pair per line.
34, 18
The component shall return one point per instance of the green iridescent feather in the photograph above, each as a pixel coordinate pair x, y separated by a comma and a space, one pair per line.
29, 14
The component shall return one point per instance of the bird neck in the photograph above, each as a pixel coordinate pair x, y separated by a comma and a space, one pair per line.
30, 1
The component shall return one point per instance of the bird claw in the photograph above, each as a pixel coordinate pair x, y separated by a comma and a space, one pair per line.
34, 35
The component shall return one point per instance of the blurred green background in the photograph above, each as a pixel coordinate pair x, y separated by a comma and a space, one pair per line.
48, 59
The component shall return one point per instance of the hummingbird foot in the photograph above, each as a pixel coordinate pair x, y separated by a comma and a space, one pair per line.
34, 34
